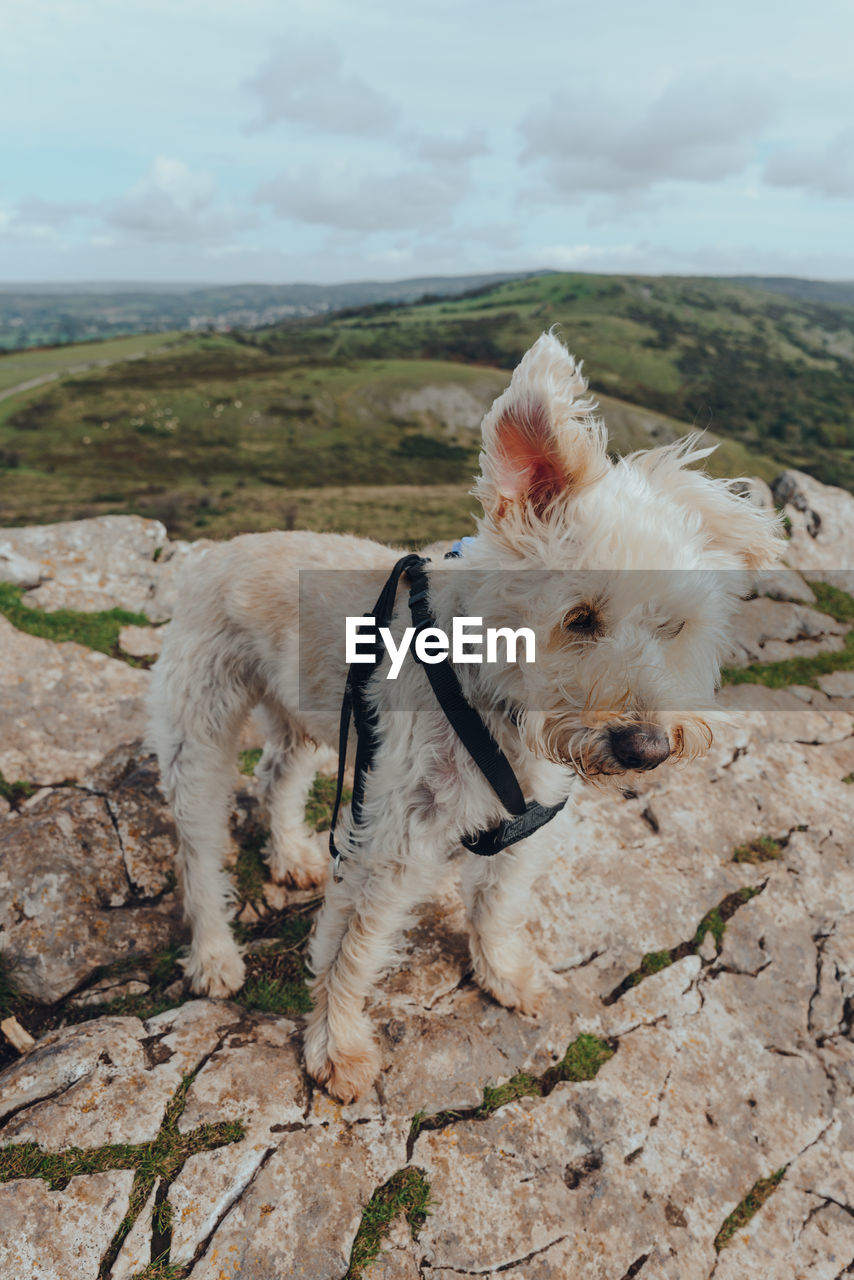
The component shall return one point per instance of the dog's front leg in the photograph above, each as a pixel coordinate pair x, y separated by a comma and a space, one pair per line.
497, 893
354, 942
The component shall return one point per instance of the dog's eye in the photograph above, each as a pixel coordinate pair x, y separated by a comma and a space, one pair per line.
670, 630
583, 620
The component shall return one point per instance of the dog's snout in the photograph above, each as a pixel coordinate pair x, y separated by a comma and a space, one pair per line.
640, 746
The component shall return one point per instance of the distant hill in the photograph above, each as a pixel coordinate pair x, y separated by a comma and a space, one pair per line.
775, 373
37, 315
839, 293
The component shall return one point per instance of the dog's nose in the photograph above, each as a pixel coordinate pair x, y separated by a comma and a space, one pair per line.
640, 746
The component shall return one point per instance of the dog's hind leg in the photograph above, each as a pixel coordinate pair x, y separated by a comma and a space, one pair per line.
286, 771
196, 712
199, 782
354, 942
497, 894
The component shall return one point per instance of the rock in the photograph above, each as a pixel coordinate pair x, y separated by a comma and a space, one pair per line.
400, 1257
783, 584
108, 1080
75, 1226
774, 630
286, 1221
67, 904
130, 779
838, 684
103, 563
62, 706
733, 1060
135, 1253
822, 527
110, 989
106, 562
17, 569
142, 642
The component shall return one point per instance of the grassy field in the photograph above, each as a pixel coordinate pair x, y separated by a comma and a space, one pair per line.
774, 372
216, 436
20, 366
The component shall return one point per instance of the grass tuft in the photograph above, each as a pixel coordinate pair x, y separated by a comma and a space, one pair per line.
582, 1059
7, 986
713, 922
406, 1193
321, 801
653, 962
251, 871
98, 631
750, 1205
249, 759
763, 849
834, 601
15, 793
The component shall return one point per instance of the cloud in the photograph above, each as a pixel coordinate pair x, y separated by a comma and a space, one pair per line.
346, 197
172, 202
32, 218
826, 170
307, 84
699, 129
442, 150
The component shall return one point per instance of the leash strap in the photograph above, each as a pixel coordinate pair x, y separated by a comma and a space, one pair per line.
462, 716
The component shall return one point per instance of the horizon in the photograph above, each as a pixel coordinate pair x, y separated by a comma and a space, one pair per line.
175, 286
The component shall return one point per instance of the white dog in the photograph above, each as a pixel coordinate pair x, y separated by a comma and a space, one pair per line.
624, 675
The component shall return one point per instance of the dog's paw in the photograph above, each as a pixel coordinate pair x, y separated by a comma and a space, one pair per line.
215, 973
298, 858
525, 990
346, 1076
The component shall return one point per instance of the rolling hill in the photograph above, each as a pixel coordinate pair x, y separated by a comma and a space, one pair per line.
354, 420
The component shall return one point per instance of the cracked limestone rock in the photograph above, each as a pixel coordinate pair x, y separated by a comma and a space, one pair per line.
109, 1080
67, 903
821, 519
106, 562
62, 706
75, 1226
776, 630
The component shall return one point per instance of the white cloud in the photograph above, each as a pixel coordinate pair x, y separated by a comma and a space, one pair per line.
443, 150
173, 202
826, 170
701, 128
306, 83
423, 195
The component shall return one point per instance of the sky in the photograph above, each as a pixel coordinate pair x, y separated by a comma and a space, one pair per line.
256, 140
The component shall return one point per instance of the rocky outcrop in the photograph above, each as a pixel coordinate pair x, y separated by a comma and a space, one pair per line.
821, 527
63, 707
107, 562
681, 1109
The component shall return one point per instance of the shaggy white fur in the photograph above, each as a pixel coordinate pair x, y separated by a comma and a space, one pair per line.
628, 573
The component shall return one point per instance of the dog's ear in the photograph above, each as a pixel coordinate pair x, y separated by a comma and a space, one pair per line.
541, 441
748, 535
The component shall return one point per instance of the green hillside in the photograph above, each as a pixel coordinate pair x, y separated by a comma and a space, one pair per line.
775, 373
367, 421
216, 436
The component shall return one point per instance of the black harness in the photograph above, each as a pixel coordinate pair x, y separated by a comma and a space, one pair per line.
465, 720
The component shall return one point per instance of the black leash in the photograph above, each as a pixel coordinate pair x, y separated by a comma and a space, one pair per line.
462, 716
